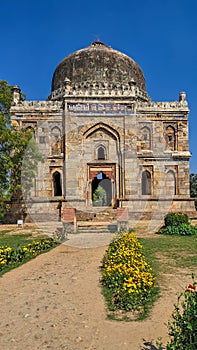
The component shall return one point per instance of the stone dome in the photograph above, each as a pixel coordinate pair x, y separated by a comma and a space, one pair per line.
98, 63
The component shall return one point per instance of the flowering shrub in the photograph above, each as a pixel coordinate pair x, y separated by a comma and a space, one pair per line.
126, 273
10, 256
183, 327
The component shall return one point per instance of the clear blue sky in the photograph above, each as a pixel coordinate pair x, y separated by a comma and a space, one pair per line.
160, 35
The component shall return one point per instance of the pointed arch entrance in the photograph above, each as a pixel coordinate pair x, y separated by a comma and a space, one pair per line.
102, 191
102, 149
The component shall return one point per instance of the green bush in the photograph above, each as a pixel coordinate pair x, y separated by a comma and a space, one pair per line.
183, 326
181, 230
177, 224
175, 219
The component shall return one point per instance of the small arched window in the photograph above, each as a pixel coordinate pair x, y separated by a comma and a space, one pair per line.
145, 138
101, 153
56, 132
170, 183
57, 188
170, 138
146, 183
56, 144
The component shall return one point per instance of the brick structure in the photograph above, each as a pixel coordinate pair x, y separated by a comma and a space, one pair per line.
104, 142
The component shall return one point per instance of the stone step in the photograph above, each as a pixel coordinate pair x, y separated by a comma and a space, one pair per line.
97, 215
110, 228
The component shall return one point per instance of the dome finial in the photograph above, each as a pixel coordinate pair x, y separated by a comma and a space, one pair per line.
98, 42
97, 37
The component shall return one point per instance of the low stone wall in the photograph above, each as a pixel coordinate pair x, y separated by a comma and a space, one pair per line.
138, 209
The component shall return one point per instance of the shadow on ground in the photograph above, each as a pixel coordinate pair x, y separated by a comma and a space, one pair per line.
148, 345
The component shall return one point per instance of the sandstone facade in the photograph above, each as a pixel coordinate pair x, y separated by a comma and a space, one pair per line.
104, 142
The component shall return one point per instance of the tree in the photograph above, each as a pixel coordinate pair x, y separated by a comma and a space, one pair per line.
100, 195
193, 187
14, 143
5, 103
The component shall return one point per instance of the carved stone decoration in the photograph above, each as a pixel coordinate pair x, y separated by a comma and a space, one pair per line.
144, 136
56, 145
170, 136
56, 148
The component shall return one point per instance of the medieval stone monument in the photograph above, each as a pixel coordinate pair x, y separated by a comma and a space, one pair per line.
105, 143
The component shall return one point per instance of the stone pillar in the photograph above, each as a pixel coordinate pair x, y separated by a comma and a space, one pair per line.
16, 91
182, 96
69, 219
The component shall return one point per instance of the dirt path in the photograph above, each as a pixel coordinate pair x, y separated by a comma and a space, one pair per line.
55, 302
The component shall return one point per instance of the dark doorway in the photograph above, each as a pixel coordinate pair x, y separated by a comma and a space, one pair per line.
170, 183
146, 183
57, 184
101, 190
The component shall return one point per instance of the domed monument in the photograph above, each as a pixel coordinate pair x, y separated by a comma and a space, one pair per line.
107, 148
100, 65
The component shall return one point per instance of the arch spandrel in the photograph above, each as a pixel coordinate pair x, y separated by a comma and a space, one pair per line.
90, 129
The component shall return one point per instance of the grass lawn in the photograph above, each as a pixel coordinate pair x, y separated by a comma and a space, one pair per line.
15, 241
17, 238
162, 251
171, 252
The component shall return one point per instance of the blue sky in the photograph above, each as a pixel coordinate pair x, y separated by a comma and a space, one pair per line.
161, 36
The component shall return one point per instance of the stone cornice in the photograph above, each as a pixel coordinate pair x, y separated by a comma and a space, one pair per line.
41, 106
180, 106
172, 156
86, 89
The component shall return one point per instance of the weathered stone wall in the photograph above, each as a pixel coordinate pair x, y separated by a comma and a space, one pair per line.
145, 146
83, 136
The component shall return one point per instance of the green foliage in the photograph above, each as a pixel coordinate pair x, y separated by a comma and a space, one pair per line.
183, 327
14, 240
23, 160
177, 224
11, 257
31, 157
13, 146
181, 230
5, 98
193, 187
175, 219
2, 210
127, 275
100, 194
